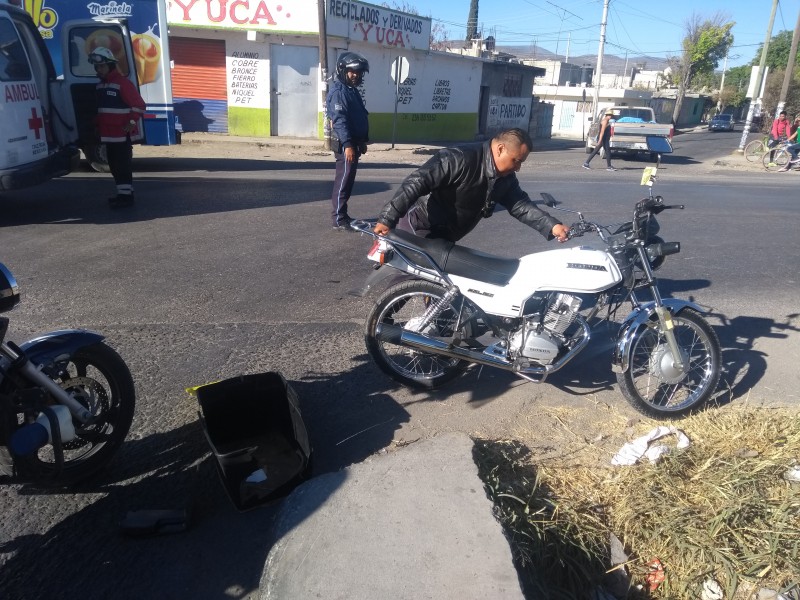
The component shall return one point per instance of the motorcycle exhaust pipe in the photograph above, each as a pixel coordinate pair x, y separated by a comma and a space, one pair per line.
392, 334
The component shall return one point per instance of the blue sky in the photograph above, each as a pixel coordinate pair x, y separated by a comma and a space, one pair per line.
635, 26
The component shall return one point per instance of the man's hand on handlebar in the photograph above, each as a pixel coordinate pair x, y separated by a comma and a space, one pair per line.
381, 229
560, 232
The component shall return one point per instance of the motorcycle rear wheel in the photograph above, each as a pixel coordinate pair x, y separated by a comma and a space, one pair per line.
657, 390
411, 367
100, 380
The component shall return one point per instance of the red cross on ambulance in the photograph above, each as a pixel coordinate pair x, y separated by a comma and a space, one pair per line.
35, 123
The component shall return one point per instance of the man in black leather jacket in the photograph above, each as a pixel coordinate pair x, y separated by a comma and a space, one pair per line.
448, 195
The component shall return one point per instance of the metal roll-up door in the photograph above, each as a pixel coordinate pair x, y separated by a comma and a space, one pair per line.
199, 84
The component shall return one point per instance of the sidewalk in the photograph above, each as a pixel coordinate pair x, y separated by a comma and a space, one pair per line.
407, 525
416, 153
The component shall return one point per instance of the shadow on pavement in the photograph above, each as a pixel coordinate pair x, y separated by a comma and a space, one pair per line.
85, 199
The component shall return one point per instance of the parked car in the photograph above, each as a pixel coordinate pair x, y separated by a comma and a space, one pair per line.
721, 123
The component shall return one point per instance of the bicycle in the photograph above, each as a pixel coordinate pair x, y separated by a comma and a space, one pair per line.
754, 151
780, 156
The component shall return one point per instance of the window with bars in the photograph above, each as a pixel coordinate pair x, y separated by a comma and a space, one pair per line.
512, 85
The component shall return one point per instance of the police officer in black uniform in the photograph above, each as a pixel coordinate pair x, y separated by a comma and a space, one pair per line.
350, 131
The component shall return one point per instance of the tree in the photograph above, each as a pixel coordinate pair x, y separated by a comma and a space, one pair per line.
705, 45
440, 37
778, 52
772, 92
472, 21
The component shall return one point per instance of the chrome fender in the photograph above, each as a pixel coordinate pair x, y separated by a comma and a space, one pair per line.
634, 322
50, 348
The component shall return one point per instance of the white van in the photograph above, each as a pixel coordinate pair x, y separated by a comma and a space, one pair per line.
37, 121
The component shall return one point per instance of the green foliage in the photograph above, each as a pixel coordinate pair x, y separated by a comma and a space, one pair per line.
778, 52
772, 92
708, 48
706, 43
736, 82
738, 78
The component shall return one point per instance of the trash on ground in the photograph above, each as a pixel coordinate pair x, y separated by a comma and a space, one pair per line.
655, 575
792, 474
711, 590
631, 452
143, 523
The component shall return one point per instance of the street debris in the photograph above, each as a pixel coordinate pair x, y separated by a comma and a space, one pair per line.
631, 452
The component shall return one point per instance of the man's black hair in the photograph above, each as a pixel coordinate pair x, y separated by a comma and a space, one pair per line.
515, 136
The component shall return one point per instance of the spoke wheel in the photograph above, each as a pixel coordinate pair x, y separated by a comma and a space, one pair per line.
654, 386
398, 306
754, 151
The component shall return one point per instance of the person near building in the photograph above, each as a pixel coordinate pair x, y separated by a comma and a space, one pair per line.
119, 111
603, 141
449, 195
349, 131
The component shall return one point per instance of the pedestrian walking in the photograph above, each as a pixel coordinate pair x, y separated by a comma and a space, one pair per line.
119, 111
350, 131
603, 141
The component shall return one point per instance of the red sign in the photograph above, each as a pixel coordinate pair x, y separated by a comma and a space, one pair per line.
35, 123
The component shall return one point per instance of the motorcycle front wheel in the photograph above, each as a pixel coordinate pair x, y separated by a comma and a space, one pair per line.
654, 386
409, 366
98, 378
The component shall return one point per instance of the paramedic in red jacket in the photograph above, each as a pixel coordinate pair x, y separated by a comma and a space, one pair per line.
119, 112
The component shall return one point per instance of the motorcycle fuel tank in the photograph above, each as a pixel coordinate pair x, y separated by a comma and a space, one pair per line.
580, 270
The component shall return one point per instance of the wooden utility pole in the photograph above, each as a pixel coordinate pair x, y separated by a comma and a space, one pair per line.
759, 77
787, 77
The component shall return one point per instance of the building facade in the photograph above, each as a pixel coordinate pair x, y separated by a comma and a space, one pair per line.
253, 69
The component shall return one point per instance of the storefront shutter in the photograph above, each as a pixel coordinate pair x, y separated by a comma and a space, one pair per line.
199, 85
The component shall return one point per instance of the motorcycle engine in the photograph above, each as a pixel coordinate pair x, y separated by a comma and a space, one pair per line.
541, 336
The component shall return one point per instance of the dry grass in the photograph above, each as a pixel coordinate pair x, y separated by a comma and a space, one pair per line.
719, 509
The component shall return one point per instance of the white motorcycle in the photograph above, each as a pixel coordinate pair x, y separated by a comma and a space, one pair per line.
453, 306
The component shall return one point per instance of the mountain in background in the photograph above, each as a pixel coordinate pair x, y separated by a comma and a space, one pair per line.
611, 62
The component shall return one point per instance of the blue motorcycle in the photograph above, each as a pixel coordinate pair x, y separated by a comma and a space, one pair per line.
66, 402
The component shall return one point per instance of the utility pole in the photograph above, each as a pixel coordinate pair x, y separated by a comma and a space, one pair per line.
722, 83
757, 88
323, 73
787, 77
599, 70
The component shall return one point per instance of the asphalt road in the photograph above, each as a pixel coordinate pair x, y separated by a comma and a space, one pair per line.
226, 265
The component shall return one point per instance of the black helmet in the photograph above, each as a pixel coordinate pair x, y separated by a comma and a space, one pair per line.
350, 61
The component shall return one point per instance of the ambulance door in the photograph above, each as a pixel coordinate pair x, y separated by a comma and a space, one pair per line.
78, 40
21, 115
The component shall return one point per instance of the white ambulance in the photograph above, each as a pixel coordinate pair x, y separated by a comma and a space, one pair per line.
38, 131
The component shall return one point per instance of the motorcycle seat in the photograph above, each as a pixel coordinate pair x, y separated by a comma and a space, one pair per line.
458, 260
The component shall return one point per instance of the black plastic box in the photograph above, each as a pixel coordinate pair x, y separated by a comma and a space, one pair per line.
257, 435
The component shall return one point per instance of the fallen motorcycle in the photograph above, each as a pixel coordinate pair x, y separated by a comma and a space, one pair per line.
451, 306
66, 402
